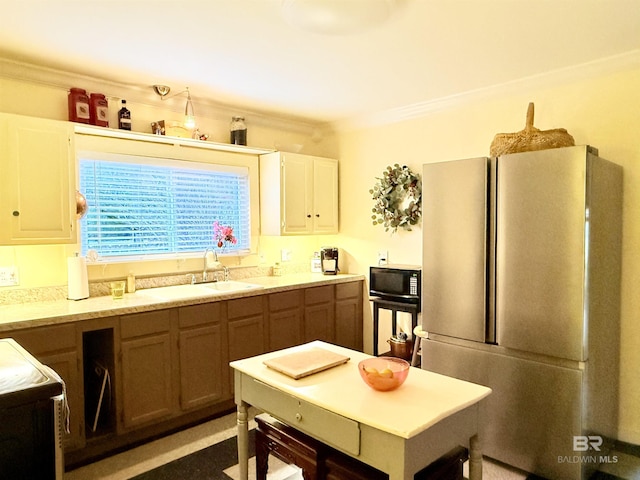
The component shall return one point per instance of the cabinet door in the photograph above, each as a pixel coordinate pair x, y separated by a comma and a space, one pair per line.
325, 195
146, 379
66, 365
201, 367
349, 315
203, 358
285, 320
146, 358
37, 203
246, 327
297, 194
319, 314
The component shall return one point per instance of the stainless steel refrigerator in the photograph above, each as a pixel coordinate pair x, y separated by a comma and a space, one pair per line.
521, 292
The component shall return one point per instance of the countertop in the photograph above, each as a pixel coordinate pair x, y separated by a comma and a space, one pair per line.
28, 315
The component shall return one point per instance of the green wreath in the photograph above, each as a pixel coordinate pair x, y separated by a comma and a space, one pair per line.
398, 199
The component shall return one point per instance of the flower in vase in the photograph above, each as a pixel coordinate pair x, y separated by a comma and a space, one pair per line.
223, 235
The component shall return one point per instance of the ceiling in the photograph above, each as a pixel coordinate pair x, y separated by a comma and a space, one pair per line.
243, 53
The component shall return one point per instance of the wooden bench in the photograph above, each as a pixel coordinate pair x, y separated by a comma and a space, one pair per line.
319, 461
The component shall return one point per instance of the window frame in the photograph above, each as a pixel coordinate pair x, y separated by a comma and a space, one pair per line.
107, 148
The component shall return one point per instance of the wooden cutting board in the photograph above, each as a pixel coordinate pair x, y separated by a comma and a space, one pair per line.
306, 362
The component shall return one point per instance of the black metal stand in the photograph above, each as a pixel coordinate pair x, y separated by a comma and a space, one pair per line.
381, 303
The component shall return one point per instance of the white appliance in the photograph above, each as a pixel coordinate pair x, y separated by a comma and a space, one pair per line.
32, 415
521, 292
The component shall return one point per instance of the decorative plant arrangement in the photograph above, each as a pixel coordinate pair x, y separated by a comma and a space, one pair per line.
223, 235
398, 199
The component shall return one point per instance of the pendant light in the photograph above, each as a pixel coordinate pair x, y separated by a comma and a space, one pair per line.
189, 114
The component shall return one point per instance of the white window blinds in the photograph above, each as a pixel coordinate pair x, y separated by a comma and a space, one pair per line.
166, 207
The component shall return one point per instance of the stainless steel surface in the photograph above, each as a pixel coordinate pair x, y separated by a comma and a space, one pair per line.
209, 259
553, 283
523, 427
454, 220
541, 251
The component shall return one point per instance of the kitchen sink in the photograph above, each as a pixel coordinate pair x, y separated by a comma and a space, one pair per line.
232, 286
179, 292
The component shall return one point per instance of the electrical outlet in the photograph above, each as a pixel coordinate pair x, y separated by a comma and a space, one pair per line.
9, 276
383, 257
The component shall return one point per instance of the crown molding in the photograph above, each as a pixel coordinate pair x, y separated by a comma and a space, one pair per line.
561, 76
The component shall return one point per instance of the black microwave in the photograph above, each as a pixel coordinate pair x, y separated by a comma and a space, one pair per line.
400, 283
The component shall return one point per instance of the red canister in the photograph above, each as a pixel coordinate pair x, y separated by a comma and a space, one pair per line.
79, 106
99, 110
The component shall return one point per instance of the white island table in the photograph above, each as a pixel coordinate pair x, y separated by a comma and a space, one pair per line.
399, 432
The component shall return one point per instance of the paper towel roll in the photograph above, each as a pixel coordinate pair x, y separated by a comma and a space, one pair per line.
77, 278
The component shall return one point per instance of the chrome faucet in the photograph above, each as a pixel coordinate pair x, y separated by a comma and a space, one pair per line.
206, 262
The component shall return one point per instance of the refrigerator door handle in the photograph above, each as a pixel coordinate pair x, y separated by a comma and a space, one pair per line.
492, 205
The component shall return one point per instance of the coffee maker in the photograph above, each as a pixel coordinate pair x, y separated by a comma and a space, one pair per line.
329, 260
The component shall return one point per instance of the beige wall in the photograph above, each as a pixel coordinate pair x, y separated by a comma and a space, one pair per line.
602, 112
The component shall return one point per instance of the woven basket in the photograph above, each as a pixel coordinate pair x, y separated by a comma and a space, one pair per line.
530, 139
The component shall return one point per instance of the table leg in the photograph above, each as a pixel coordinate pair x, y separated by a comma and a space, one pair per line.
394, 322
416, 349
475, 458
243, 440
376, 317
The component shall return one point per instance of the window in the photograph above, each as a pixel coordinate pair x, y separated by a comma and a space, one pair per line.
141, 206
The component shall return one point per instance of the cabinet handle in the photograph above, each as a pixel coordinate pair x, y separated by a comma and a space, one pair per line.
317, 215
16, 213
299, 417
309, 216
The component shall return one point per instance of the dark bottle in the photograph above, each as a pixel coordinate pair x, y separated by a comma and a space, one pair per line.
124, 117
238, 131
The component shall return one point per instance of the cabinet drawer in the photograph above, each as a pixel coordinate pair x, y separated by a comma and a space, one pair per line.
38, 341
318, 295
348, 290
284, 300
199, 314
140, 324
328, 427
244, 307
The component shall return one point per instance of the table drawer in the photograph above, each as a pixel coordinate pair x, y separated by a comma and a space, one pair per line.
328, 427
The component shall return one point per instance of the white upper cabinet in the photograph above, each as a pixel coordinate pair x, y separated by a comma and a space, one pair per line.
37, 181
298, 194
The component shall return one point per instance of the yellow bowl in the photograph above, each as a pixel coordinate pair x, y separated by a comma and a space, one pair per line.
384, 373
